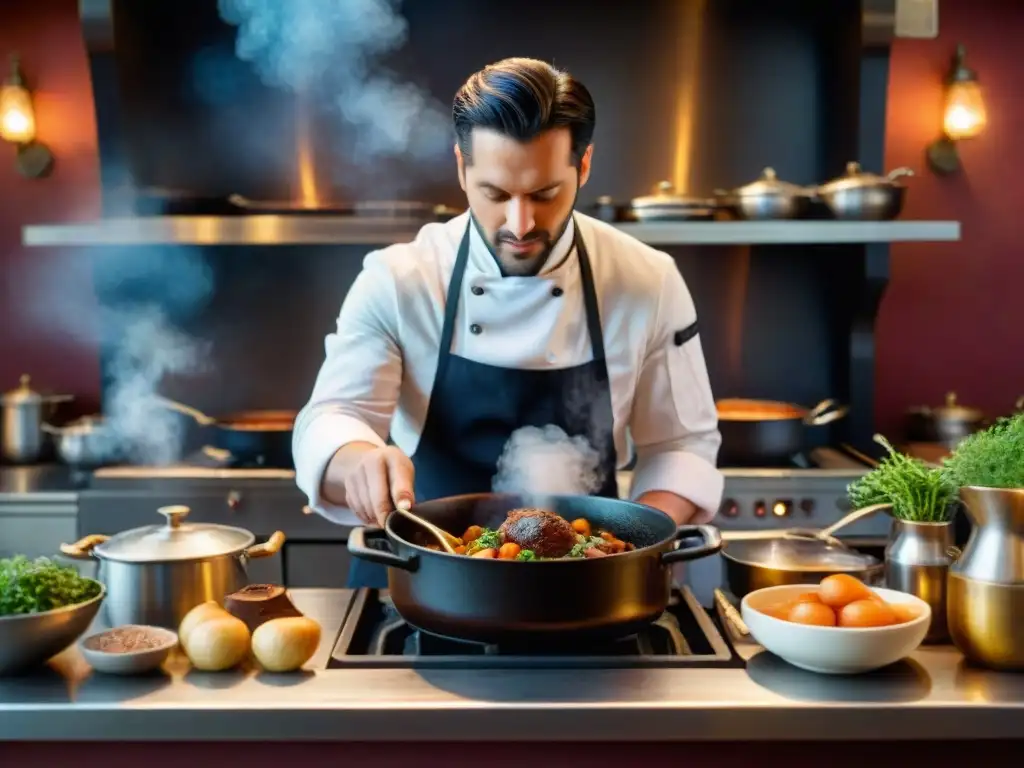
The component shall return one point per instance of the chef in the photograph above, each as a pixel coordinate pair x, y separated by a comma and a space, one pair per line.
517, 313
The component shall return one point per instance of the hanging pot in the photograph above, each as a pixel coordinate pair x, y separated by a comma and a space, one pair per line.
158, 573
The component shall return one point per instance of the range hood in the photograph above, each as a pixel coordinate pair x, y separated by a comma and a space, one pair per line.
191, 114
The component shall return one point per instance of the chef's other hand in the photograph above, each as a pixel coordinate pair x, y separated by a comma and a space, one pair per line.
375, 480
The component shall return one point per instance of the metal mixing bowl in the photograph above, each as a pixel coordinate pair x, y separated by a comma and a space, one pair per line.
30, 639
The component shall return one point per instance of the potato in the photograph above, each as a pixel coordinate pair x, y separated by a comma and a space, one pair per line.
284, 645
217, 644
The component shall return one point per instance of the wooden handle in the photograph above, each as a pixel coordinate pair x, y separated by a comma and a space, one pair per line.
271, 547
82, 549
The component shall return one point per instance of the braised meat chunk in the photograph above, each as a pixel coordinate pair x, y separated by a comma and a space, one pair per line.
543, 532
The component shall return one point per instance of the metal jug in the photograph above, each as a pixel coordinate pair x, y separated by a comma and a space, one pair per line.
917, 561
985, 601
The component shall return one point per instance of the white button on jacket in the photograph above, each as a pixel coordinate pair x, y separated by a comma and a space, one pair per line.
380, 362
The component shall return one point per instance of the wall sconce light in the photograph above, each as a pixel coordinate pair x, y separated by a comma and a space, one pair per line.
964, 116
18, 125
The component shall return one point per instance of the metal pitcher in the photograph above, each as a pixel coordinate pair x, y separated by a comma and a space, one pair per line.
917, 561
985, 602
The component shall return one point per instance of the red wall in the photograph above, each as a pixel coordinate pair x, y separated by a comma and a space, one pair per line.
953, 317
47, 35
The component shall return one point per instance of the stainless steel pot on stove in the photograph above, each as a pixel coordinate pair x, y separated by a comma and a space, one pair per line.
24, 411
158, 573
758, 559
86, 442
947, 424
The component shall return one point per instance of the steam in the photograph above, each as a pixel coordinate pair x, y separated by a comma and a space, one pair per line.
537, 463
332, 49
141, 291
139, 428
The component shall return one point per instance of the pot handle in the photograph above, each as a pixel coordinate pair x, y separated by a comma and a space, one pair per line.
898, 173
709, 535
373, 545
82, 549
823, 413
270, 547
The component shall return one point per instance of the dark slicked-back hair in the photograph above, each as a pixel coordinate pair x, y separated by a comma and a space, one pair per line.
522, 98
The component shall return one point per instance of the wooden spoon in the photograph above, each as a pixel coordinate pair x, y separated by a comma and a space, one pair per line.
446, 540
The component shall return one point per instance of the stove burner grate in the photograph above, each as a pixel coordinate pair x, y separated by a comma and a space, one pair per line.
375, 635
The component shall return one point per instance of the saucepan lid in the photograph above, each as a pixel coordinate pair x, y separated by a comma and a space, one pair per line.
797, 554
175, 540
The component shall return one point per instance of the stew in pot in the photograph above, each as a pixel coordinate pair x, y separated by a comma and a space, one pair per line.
529, 533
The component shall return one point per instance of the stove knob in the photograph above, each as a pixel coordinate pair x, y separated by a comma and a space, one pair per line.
807, 505
730, 508
234, 500
760, 509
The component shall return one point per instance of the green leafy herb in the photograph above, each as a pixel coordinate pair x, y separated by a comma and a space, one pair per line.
31, 586
584, 543
489, 539
993, 458
918, 493
526, 554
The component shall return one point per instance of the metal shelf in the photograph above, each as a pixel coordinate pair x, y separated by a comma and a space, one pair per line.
333, 230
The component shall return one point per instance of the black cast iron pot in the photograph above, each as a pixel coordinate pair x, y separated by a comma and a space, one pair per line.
512, 603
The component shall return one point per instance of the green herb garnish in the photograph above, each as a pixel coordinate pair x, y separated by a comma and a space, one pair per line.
918, 493
32, 586
526, 554
993, 458
489, 539
583, 544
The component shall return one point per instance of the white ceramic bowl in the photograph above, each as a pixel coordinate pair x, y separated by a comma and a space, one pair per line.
833, 650
134, 662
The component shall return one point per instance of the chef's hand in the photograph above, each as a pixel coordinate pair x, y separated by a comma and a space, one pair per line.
374, 480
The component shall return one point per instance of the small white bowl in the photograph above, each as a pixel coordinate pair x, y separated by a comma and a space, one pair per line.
133, 662
834, 650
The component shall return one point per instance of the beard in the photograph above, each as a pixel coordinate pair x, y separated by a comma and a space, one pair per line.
518, 263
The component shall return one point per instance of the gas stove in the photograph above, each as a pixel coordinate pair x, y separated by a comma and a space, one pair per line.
375, 635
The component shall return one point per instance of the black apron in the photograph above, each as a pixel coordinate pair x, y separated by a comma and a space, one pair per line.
474, 409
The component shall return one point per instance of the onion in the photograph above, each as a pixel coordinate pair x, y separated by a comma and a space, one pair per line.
284, 645
202, 612
217, 644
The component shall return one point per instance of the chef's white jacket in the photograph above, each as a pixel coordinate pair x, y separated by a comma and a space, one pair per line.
380, 362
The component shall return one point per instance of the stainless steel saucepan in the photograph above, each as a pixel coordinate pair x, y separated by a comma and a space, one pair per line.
757, 559
158, 573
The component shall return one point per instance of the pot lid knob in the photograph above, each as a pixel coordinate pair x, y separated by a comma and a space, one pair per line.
951, 399
174, 514
23, 393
